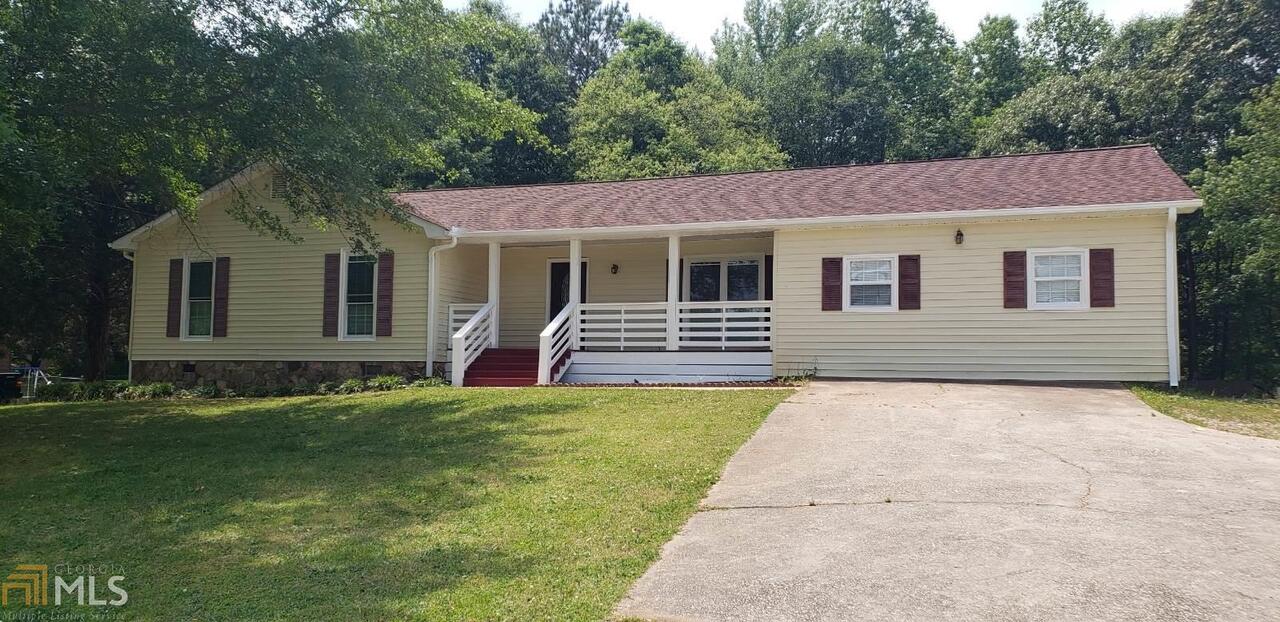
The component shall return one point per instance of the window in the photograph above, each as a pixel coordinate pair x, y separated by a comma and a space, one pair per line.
871, 283
357, 297
1058, 279
198, 306
711, 279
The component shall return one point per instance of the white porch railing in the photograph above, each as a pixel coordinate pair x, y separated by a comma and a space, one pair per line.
623, 325
725, 325
470, 341
556, 342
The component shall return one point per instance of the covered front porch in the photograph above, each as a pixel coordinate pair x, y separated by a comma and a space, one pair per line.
672, 309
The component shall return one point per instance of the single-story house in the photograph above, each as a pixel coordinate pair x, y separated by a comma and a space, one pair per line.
1049, 266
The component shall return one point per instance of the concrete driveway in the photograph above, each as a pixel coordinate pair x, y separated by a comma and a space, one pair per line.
897, 500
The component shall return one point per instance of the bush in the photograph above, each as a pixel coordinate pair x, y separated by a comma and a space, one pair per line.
153, 391
326, 388
305, 388
386, 383
205, 391
60, 392
349, 386
433, 381
103, 390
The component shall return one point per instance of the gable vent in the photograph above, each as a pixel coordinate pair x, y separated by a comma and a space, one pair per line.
279, 186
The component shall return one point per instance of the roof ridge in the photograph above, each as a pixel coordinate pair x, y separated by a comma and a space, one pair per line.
773, 170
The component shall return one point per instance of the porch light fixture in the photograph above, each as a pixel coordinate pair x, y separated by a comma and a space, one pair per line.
613, 269
959, 237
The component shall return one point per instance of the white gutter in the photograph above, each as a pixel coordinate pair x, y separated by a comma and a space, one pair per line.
1172, 334
694, 228
432, 302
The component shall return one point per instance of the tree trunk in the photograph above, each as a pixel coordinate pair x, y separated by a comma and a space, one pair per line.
99, 263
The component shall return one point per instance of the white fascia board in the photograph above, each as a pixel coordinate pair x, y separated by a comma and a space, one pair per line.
773, 224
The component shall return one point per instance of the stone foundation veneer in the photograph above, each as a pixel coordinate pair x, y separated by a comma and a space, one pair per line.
241, 374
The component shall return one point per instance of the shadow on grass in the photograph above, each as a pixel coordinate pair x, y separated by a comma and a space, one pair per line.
333, 508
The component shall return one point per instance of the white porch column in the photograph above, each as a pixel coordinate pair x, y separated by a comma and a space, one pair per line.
495, 286
673, 292
575, 282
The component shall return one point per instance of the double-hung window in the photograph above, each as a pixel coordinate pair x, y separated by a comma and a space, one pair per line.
1057, 279
357, 297
197, 307
871, 283
711, 279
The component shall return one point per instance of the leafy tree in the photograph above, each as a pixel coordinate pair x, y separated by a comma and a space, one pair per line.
1136, 42
581, 35
1065, 36
1061, 112
508, 61
919, 55
829, 103
121, 111
995, 63
656, 110
769, 28
1238, 253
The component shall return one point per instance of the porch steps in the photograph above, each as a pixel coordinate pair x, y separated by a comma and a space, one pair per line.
503, 367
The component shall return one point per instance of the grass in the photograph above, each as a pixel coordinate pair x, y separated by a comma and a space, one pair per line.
1255, 417
413, 504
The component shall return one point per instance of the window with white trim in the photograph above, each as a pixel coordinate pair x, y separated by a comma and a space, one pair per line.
713, 279
358, 289
871, 283
197, 303
1057, 278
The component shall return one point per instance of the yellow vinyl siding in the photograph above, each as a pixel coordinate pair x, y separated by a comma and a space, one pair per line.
461, 278
962, 330
641, 277
275, 302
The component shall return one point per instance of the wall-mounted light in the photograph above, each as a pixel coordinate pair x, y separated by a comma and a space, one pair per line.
959, 237
613, 269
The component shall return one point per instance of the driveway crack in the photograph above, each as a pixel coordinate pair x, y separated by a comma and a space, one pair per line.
1088, 475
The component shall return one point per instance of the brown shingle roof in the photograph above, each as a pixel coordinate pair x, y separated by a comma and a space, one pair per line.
1132, 174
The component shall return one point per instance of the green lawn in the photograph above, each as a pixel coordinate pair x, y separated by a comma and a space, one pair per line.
413, 504
1255, 417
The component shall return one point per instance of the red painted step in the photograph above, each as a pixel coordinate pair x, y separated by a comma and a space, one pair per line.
503, 367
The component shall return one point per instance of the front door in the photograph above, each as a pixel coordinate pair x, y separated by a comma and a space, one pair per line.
558, 288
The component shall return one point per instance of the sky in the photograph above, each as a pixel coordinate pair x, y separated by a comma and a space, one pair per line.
694, 21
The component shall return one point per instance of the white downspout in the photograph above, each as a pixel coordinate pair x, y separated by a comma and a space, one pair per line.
1171, 296
432, 294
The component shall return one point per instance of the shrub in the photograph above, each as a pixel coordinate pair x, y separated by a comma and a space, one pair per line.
205, 391
255, 391
103, 390
326, 388
153, 391
304, 388
60, 392
433, 381
386, 383
350, 385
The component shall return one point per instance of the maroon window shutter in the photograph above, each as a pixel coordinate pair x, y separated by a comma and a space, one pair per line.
386, 276
768, 277
173, 320
1102, 277
909, 282
221, 281
332, 266
1015, 279
831, 277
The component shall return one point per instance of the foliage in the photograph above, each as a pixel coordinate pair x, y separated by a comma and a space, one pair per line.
386, 383
1061, 112
152, 391
993, 61
350, 385
656, 110
581, 35
825, 101
432, 504
1238, 285
1065, 36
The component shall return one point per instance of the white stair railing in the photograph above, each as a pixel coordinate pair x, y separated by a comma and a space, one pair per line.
554, 342
470, 341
